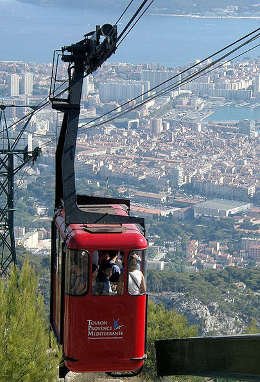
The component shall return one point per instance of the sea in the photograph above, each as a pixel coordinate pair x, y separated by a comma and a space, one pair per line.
31, 33
235, 113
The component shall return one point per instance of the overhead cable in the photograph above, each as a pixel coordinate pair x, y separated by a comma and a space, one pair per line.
144, 11
124, 12
173, 77
132, 19
170, 87
44, 103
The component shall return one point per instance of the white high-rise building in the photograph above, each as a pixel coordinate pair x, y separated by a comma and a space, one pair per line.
157, 126
88, 86
123, 90
257, 84
13, 85
155, 77
177, 176
28, 84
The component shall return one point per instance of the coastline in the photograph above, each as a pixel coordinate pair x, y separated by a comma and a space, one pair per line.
206, 17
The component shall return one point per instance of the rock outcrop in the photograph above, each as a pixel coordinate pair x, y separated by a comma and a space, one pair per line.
210, 319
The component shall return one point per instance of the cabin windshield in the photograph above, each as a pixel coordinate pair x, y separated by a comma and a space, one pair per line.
111, 276
76, 272
112, 272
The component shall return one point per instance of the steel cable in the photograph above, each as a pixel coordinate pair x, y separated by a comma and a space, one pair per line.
170, 79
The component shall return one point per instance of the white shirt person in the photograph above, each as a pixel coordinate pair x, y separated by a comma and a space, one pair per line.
136, 281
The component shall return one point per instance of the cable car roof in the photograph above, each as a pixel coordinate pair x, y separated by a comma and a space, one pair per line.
100, 236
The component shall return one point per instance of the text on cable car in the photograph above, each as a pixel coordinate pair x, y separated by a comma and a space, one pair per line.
105, 329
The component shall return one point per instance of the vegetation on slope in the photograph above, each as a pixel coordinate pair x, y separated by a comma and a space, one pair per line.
24, 338
162, 324
235, 290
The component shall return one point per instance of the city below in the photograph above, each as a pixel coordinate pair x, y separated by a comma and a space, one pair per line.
169, 156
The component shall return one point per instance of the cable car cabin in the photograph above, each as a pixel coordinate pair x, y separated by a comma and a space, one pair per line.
98, 295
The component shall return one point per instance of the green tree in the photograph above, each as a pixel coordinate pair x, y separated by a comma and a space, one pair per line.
253, 328
24, 341
162, 324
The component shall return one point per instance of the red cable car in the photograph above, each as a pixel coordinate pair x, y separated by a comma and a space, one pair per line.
98, 296
100, 329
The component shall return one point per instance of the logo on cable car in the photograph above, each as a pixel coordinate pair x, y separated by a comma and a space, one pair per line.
105, 329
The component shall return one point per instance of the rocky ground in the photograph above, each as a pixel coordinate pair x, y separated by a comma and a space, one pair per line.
209, 318
93, 377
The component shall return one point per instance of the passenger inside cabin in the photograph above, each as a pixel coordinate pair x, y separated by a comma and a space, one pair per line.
78, 285
113, 260
94, 275
104, 258
120, 284
103, 285
136, 281
109, 262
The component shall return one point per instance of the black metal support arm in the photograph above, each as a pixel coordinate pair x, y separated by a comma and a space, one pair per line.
83, 57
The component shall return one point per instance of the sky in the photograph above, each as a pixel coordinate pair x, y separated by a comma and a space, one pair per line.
32, 32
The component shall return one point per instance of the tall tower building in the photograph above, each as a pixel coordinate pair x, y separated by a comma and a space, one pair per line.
247, 127
257, 84
123, 90
155, 77
13, 85
157, 126
85, 88
28, 84
88, 87
177, 176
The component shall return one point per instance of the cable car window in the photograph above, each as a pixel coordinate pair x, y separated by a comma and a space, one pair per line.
136, 280
76, 279
107, 273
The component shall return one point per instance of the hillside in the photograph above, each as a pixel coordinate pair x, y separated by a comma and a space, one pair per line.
219, 302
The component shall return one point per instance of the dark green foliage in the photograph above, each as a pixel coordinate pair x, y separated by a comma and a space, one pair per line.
24, 339
212, 279
253, 328
162, 324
